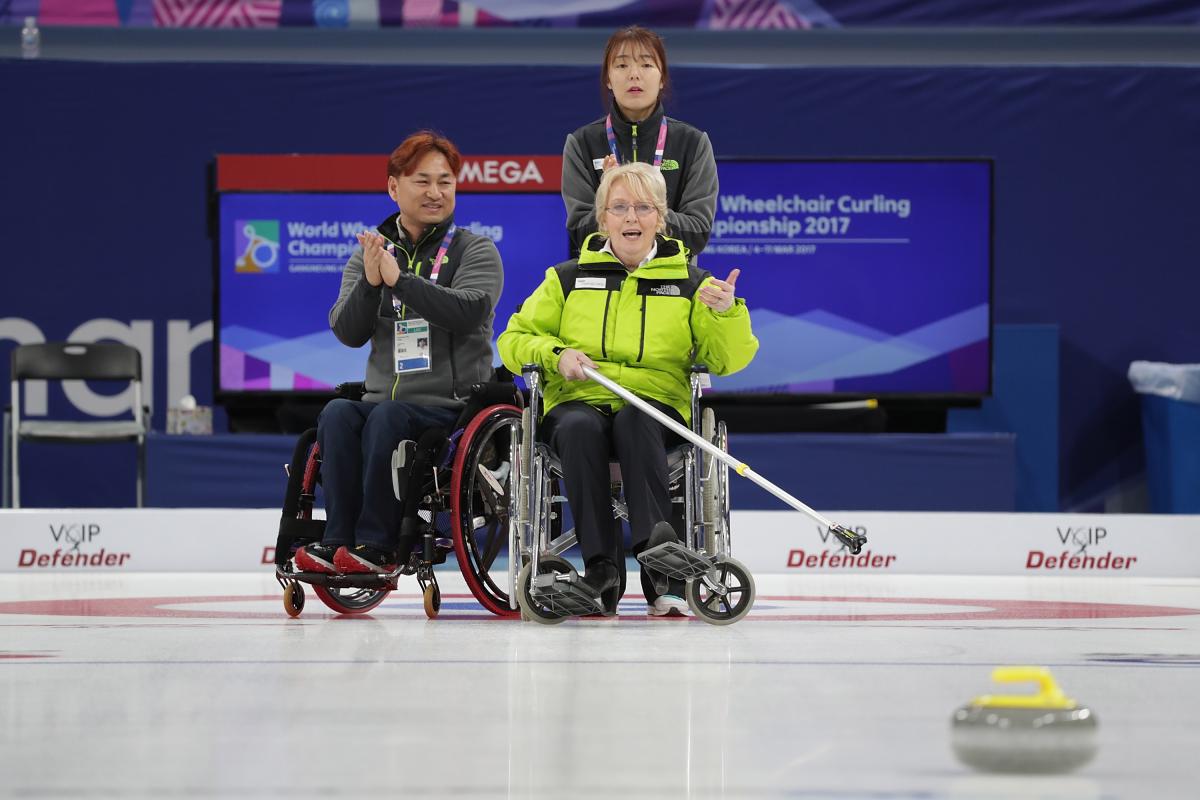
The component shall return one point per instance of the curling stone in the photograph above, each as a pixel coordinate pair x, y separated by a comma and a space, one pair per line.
1040, 733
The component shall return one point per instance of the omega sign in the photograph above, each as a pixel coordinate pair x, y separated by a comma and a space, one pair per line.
1079, 553
510, 173
70, 539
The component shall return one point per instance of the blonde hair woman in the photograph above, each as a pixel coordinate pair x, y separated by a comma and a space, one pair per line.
632, 308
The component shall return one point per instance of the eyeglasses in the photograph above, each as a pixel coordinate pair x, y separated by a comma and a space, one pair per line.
641, 209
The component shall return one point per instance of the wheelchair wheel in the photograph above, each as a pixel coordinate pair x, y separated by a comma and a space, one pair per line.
727, 609
715, 495
481, 502
433, 600
351, 601
293, 599
530, 608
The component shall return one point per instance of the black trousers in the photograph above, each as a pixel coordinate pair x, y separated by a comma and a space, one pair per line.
357, 439
585, 438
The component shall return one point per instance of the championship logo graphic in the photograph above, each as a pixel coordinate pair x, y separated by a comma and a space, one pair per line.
257, 242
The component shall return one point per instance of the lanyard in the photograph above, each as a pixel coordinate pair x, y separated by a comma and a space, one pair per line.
658, 151
437, 264
441, 253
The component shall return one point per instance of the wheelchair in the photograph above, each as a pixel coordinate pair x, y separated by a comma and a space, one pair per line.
720, 590
457, 498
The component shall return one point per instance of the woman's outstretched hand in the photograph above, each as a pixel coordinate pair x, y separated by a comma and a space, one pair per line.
717, 294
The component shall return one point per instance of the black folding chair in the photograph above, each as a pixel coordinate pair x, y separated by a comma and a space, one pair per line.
61, 361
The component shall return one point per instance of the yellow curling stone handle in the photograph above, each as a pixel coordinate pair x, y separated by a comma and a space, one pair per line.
1048, 694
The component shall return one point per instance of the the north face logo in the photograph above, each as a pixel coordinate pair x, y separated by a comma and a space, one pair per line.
670, 290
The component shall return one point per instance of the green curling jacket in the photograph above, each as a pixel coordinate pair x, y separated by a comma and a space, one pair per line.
644, 329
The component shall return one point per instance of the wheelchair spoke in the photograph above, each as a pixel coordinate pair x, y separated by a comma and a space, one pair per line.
713, 603
490, 481
495, 533
492, 520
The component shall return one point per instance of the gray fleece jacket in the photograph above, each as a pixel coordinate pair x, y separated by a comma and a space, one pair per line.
688, 166
460, 309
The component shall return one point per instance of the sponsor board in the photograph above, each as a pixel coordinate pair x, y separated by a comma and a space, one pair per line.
360, 173
928, 543
43, 541
510, 174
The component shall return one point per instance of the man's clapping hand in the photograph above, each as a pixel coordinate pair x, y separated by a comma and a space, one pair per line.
379, 265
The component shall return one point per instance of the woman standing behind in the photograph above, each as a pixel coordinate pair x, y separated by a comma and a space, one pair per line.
634, 78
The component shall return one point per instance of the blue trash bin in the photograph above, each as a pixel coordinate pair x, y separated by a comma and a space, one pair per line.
1170, 397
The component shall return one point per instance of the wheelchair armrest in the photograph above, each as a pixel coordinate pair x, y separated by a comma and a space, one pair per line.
352, 390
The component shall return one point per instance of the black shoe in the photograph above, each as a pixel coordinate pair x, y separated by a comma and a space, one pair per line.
661, 533
601, 576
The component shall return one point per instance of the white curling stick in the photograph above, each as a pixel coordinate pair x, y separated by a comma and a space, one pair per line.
737, 466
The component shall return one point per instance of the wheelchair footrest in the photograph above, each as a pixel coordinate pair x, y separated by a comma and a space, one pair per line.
565, 594
675, 561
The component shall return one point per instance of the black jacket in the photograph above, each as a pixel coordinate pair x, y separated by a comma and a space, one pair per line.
688, 168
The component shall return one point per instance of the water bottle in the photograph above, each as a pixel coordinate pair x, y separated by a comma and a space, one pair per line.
31, 39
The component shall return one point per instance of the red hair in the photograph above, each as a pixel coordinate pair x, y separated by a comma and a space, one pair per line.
634, 35
403, 160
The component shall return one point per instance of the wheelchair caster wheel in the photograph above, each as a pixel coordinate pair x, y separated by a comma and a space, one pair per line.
530, 608
433, 600
293, 599
732, 598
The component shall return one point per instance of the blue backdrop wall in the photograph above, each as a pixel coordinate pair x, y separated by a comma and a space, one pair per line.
103, 196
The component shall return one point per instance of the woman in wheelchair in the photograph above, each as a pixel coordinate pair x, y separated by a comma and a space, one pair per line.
422, 292
631, 308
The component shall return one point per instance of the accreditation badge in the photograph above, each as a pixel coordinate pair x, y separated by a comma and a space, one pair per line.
412, 353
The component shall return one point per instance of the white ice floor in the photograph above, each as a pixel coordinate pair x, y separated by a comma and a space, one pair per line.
838, 687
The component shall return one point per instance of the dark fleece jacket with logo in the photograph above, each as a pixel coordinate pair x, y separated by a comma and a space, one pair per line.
459, 309
688, 167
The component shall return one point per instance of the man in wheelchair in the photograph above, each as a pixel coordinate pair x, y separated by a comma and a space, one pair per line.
632, 308
422, 292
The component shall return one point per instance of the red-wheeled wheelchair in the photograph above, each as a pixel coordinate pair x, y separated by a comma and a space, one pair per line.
456, 494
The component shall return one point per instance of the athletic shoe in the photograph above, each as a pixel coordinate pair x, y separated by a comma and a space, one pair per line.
668, 605
316, 557
364, 559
